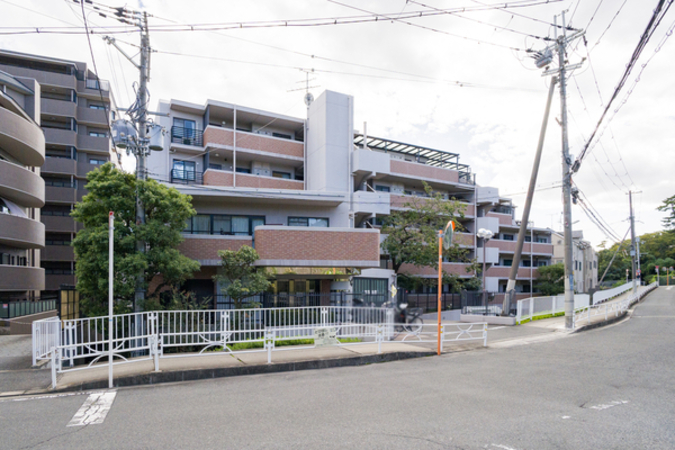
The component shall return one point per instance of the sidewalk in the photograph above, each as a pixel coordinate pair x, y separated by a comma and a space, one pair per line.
18, 379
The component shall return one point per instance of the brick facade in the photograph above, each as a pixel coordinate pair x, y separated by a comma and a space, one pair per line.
207, 248
218, 178
255, 181
503, 272
504, 219
458, 269
510, 247
317, 244
252, 141
218, 136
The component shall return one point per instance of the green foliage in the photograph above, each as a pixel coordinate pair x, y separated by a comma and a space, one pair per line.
669, 208
177, 300
656, 249
551, 279
412, 234
281, 343
166, 212
241, 278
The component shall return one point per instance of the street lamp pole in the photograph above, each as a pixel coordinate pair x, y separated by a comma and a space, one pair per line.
485, 235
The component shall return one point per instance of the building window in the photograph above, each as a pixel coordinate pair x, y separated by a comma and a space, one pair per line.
542, 263
96, 106
57, 239
308, 222
59, 182
542, 240
223, 224
507, 262
4, 209
528, 239
55, 210
183, 170
98, 134
98, 162
526, 263
243, 170
380, 188
184, 131
282, 135
507, 237
215, 166
284, 175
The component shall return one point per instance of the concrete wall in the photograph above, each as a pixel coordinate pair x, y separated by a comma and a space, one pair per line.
330, 142
24, 324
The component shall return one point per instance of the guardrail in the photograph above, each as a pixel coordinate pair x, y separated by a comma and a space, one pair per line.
604, 295
609, 309
81, 343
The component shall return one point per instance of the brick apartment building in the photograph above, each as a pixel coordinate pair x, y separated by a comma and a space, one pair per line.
73, 112
309, 195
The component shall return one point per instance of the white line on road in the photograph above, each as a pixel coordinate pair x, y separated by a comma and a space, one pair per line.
609, 405
42, 397
504, 447
94, 409
496, 328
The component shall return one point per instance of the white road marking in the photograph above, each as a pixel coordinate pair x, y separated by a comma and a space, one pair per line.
94, 409
669, 288
566, 417
504, 447
609, 405
42, 397
496, 328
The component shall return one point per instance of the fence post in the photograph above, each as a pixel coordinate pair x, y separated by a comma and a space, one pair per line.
442, 331
485, 325
154, 327
519, 311
269, 343
54, 350
379, 337
34, 332
531, 308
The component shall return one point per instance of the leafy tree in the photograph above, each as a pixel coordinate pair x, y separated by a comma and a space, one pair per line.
166, 211
412, 235
551, 279
242, 279
669, 208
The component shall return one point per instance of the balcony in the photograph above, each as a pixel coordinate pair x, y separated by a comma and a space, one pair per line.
181, 176
19, 278
63, 108
510, 247
214, 177
56, 194
399, 202
504, 219
21, 232
452, 268
92, 116
94, 88
93, 143
187, 136
65, 224
57, 253
21, 185
423, 171
43, 77
204, 247
63, 166
223, 137
504, 272
60, 136
21, 138
372, 202
261, 182
280, 246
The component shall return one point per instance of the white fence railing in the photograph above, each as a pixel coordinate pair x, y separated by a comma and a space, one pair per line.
602, 296
79, 344
533, 307
609, 309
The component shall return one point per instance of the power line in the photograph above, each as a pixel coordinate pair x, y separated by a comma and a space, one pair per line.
609, 25
659, 12
513, 13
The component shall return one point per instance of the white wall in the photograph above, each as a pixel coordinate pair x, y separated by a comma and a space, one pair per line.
330, 142
490, 223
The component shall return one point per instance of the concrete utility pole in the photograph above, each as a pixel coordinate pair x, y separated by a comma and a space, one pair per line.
632, 241
511, 284
142, 149
567, 180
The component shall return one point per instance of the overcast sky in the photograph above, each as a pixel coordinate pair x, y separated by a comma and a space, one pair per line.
460, 83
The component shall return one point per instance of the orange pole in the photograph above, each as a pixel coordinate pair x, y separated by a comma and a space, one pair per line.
440, 276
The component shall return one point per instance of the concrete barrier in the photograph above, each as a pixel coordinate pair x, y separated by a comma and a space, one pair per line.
24, 324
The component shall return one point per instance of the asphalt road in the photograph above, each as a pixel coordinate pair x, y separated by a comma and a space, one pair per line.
610, 388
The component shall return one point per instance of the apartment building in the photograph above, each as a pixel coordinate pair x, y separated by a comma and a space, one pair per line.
73, 112
498, 215
22, 191
584, 259
309, 195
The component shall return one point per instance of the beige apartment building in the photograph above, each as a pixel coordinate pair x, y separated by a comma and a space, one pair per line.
584, 259
309, 195
22, 191
73, 111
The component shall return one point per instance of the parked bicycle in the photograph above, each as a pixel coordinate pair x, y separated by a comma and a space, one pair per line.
406, 320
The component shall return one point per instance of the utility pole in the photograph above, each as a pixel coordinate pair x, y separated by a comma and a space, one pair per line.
632, 240
138, 145
142, 149
567, 179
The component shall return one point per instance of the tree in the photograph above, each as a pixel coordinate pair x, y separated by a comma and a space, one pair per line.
241, 278
669, 208
551, 279
166, 211
412, 234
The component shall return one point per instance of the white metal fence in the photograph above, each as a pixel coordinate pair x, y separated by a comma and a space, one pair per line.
80, 344
602, 296
609, 309
533, 307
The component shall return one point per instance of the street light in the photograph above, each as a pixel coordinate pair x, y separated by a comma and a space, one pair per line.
485, 235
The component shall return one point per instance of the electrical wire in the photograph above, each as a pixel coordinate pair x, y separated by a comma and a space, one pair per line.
659, 12
609, 25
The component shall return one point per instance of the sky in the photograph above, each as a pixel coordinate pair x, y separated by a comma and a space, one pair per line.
460, 82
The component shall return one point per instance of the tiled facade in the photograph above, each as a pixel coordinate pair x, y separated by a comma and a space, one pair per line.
73, 113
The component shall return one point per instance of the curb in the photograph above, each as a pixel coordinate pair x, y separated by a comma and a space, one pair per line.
224, 372
603, 323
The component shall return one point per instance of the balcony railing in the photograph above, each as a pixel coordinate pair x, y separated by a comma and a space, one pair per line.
180, 176
187, 136
98, 84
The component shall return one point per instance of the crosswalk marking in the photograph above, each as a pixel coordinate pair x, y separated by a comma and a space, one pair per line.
94, 410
